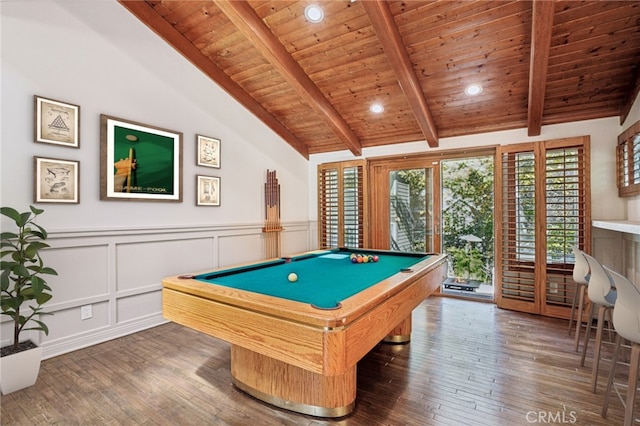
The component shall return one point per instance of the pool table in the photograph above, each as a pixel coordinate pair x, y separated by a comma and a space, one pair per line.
296, 344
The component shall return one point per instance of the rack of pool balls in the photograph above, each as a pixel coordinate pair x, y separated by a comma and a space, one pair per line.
363, 258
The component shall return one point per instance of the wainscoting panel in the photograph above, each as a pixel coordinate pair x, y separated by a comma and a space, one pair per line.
237, 249
139, 306
295, 241
67, 323
74, 282
144, 264
114, 276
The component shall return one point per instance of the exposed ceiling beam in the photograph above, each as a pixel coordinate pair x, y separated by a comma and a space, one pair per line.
393, 45
541, 28
147, 14
632, 93
242, 15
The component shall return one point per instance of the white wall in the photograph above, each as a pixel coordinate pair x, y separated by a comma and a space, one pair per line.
97, 55
112, 255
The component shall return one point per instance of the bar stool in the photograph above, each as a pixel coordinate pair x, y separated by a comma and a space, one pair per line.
626, 321
581, 278
603, 295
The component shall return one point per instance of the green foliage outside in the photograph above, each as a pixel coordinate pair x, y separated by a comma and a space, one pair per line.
468, 263
410, 213
467, 209
562, 186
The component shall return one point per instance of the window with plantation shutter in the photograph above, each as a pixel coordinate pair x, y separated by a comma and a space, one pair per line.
341, 204
628, 161
545, 211
519, 228
566, 225
328, 207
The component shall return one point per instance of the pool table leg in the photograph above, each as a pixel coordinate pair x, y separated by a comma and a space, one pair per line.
401, 333
293, 388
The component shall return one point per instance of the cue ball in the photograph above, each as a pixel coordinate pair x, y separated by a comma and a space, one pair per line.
293, 277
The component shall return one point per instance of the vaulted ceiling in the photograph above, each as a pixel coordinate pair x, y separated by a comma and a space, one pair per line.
538, 63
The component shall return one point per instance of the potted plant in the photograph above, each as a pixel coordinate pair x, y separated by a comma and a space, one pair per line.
21, 283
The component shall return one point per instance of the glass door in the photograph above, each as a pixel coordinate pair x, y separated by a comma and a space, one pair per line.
467, 224
411, 210
403, 206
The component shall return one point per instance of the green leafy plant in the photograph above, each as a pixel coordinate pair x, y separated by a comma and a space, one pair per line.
468, 264
21, 279
468, 203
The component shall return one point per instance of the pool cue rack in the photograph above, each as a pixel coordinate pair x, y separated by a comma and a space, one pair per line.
272, 227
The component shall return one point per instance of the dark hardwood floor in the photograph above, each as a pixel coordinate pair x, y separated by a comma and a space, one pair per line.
469, 363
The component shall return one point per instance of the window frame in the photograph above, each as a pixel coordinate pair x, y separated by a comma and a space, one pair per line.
626, 165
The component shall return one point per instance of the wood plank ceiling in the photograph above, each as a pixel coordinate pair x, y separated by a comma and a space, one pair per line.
539, 63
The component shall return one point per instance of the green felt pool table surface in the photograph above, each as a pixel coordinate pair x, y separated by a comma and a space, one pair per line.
325, 278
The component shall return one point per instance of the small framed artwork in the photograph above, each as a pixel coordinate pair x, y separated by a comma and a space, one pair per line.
208, 190
208, 151
56, 181
57, 122
139, 162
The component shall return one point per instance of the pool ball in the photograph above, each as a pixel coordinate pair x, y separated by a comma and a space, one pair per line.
365, 259
375, 258
354, 259
293, 277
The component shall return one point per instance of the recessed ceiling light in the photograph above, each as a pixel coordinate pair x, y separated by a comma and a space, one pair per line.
314, 13
376, 108
473, 90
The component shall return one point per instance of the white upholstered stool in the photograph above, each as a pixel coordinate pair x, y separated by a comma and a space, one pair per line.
581, 278
626, 321
603, 296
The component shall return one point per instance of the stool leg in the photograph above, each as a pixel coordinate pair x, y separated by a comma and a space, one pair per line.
574, 305
587, 334
581, 296
612, 373
633, 384
596, 348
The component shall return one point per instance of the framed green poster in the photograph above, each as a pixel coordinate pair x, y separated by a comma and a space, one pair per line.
139, 162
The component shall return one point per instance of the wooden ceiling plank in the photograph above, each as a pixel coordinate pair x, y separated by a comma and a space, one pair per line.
249, 23
632, 93
391, 40
164, 29
542, 26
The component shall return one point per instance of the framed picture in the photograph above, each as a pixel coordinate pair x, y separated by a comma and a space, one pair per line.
139, 162
208, 190
57, 122
56, 181
208, 151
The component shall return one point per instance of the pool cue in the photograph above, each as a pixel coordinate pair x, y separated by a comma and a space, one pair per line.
130, 170
272, 226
